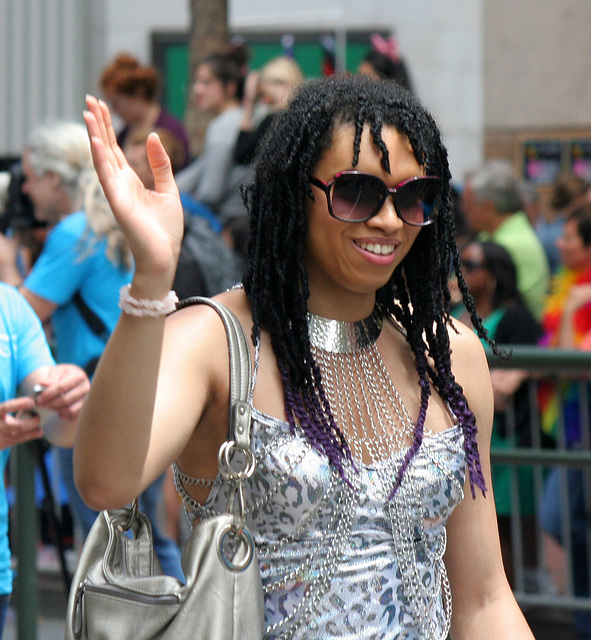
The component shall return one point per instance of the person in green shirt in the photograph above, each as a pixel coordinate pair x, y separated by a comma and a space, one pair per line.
493, 208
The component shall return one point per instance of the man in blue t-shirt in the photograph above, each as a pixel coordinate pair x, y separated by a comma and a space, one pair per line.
26, 361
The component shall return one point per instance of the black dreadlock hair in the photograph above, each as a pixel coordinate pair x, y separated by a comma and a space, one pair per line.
417, 295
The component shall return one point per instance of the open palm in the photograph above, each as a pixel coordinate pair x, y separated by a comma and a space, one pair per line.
151, 220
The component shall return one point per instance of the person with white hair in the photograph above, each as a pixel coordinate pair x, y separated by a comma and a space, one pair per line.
58, 179
76, 280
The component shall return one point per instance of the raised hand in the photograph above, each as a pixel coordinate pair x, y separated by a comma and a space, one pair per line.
151, 220
9, 251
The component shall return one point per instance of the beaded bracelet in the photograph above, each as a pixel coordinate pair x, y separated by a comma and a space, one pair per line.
143, 307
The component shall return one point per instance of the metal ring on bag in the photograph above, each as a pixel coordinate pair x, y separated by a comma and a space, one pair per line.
225, 464
133, 510
243, 535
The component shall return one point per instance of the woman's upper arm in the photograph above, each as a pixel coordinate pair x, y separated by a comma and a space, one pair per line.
484, 605
473, 552
193, 384
149, 394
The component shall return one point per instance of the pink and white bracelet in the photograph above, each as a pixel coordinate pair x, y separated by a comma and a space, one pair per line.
144, 307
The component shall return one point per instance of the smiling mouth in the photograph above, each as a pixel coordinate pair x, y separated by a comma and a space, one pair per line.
377, 249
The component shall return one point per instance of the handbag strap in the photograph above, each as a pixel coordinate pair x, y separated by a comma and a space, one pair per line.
240, 371
238, 438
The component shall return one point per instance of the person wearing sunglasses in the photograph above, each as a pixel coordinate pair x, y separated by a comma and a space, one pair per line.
491, 276
371, 501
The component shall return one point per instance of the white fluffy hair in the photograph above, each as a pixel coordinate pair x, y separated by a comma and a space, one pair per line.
61, 147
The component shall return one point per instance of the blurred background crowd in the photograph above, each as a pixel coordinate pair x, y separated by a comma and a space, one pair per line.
523, 229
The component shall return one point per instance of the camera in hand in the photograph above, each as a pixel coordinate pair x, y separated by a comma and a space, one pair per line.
19, 213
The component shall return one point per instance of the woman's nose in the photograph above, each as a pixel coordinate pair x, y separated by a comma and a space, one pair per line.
387, 216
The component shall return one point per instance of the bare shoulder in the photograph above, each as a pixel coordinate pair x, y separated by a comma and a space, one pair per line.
195, 337
466, 348
470, 368
202, 321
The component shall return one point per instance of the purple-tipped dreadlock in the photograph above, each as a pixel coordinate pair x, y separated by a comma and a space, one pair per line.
333, 447
417, 295
419, 430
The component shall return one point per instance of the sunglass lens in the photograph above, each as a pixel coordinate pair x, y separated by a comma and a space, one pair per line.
356, 197
418, 201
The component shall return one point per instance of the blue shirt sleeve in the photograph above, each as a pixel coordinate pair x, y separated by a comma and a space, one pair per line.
23, 345
59, 270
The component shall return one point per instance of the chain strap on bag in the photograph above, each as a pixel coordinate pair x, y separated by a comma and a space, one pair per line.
119, 591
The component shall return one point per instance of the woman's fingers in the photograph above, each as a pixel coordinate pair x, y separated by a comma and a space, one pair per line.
160, 165
110, 131
111, 137
116, 176
100, 129
151, 220
103, 166
97, 127
97, 135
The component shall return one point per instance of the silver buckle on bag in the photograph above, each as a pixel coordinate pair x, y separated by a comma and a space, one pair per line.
239, 542
231, 474
235, 539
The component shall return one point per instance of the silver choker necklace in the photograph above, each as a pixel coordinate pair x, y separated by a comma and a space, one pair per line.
341, 336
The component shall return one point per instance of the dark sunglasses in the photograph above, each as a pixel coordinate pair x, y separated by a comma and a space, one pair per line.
353, 196
472, 265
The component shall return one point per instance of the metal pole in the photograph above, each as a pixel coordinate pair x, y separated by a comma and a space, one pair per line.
26, 593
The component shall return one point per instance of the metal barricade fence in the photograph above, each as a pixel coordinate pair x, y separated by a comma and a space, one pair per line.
541, 365
560, 476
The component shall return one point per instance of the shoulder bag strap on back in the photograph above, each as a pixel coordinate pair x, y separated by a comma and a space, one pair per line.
96, 325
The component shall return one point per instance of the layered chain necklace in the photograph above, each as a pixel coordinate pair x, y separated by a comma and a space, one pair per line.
365, 404
370, 412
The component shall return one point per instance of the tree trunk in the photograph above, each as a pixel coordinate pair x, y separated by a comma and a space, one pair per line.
208, 34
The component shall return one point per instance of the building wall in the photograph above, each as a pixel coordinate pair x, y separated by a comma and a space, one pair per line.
537, 62
52, 52
126, 25
43, 65
489, 71
441, 42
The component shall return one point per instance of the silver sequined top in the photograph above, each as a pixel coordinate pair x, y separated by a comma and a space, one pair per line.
350, 562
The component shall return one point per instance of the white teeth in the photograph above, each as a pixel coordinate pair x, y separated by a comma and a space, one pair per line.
378, 249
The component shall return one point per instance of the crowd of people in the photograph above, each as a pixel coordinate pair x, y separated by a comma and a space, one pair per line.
290, 196
530, 283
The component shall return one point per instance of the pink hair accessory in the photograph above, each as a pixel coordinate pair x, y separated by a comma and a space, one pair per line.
386, 46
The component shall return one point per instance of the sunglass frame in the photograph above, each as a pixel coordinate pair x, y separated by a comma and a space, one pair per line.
326, 187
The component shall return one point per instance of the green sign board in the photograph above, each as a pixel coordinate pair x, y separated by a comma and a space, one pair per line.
170, 54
